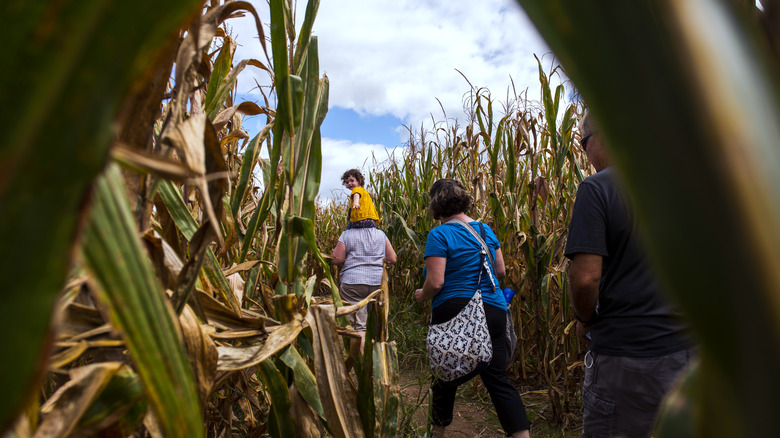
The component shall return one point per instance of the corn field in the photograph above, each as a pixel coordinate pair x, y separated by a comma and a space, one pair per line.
522, 169
162, 279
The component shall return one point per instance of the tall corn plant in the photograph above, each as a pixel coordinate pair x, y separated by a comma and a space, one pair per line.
687, 97
536, 170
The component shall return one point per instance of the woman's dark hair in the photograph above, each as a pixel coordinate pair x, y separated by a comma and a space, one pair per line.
448, 198
355, 174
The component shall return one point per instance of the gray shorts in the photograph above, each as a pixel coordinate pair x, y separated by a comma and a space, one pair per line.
621, 396
353, 294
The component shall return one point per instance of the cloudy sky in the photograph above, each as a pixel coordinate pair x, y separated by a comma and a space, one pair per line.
389, 60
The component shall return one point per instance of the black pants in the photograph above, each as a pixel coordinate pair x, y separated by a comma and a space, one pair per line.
505, 398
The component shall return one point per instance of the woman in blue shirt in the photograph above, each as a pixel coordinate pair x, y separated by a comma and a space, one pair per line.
452, 263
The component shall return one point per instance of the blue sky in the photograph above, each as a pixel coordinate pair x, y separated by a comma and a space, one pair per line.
346, 124
397, 62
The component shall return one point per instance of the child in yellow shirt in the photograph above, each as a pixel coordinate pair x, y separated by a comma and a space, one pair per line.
361, 212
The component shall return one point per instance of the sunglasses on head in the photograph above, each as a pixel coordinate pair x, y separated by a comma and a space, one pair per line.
584, 142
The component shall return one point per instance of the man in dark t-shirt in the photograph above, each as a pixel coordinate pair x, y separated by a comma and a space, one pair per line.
638, 345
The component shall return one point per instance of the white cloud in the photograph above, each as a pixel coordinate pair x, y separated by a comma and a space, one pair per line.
341, 155
397, 56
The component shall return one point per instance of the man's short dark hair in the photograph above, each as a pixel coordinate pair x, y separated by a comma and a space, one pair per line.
355, 174
448, 198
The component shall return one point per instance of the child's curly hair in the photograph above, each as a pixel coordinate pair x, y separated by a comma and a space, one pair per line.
355, 174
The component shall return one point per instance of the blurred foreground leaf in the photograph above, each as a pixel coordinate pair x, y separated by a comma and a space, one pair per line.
687, 94
69, 65
139, 309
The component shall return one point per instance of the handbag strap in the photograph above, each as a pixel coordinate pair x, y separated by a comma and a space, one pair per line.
485, 252
484, 245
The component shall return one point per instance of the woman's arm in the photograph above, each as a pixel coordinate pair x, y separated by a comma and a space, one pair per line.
390, 256
339, 253
499, 266
434, 278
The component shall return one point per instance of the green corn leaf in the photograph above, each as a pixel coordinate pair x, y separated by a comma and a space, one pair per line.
215, 91
188, 227
282, 123
292, 150
510, 161
387, 393
304, 379
301, 48
264, 207
280, 424
304, 227
247, 168
223, 91
138, 308
312, 105
364, 370
284, 109
122, 405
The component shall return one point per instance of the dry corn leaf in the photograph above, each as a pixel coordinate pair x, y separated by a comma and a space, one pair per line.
236, 358
147, 162
68, 355
185, 282
237, 284
249, 415
307, 424
194, 138
346, 310
201, 351
236, 134
246, 108
62, 410
223, 318
237, 334
105, 329
78, 319
152, 425
338, 397
242, 267
164, 257
187, 138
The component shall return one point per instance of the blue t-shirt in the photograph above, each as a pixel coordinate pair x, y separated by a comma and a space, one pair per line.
462, 252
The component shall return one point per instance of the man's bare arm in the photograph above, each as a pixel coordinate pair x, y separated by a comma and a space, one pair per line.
584, 278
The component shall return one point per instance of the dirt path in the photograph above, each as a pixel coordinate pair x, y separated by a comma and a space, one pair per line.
473, 415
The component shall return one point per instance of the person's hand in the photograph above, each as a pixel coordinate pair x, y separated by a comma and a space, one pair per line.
583, 330
355, 205
418, 295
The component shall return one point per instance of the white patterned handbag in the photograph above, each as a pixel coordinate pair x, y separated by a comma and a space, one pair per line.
461, 345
